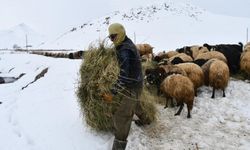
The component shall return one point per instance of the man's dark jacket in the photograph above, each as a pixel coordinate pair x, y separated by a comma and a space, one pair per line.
130, 65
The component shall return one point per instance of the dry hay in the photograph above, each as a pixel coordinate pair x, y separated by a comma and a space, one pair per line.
98, 72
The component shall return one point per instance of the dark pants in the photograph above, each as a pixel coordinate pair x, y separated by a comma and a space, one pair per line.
122, 118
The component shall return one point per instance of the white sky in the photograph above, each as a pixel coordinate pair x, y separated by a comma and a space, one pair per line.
48, 15
57, 16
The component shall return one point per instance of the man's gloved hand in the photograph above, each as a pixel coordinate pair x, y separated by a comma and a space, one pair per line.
107, 97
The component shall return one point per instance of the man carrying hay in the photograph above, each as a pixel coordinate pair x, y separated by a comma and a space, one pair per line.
128, 86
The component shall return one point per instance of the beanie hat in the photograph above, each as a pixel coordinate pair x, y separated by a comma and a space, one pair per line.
119, 30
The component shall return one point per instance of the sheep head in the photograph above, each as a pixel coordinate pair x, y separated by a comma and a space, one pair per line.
155, 76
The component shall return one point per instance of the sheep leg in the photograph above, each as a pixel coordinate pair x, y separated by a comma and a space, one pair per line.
189, 107
178, 104
180, 109
172, 102
224, 95
166, 105
213, 93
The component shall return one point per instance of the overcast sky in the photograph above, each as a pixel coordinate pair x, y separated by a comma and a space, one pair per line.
49, 15
56, 16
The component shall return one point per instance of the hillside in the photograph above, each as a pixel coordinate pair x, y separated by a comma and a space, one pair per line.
166, 26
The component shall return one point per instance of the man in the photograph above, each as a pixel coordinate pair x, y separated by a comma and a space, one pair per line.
129, 86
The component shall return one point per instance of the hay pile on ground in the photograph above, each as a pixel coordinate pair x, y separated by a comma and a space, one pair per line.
98, 72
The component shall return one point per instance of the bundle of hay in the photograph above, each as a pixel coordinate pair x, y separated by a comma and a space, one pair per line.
98, 72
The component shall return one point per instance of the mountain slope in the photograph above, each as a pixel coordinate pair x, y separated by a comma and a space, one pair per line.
180, 23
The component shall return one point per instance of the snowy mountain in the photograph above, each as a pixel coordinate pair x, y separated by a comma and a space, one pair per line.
17, 36
180, 23
45, 115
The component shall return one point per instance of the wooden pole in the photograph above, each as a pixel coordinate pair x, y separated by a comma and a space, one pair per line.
26, 38
134, 38
247, 35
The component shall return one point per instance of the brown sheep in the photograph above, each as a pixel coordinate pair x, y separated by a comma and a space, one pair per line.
194, 73
157, 75
144, 49
194, 51
165, 55
247, 45
205, 68
181, 88
212, 54
218, 75
245, 60
171, 53
179, 58
172, 69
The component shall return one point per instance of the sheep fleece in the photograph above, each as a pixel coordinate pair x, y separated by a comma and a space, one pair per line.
179, 87
194, 72
218, 74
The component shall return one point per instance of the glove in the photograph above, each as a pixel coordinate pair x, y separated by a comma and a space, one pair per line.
107, 97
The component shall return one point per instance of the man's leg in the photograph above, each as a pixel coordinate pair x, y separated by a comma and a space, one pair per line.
122, 121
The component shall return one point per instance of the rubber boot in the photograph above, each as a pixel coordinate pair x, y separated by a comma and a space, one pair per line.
119, 145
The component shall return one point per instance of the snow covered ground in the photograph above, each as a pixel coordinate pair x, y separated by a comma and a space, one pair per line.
46, 115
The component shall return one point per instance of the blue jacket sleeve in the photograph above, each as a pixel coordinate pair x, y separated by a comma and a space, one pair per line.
123, 78
124, 67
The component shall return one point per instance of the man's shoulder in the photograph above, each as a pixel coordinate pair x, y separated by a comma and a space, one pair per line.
128, 44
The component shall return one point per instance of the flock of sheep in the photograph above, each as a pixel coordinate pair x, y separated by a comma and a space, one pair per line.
178, 74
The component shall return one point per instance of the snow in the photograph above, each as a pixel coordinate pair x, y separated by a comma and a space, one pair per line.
166, 26
38, 117
46, 114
